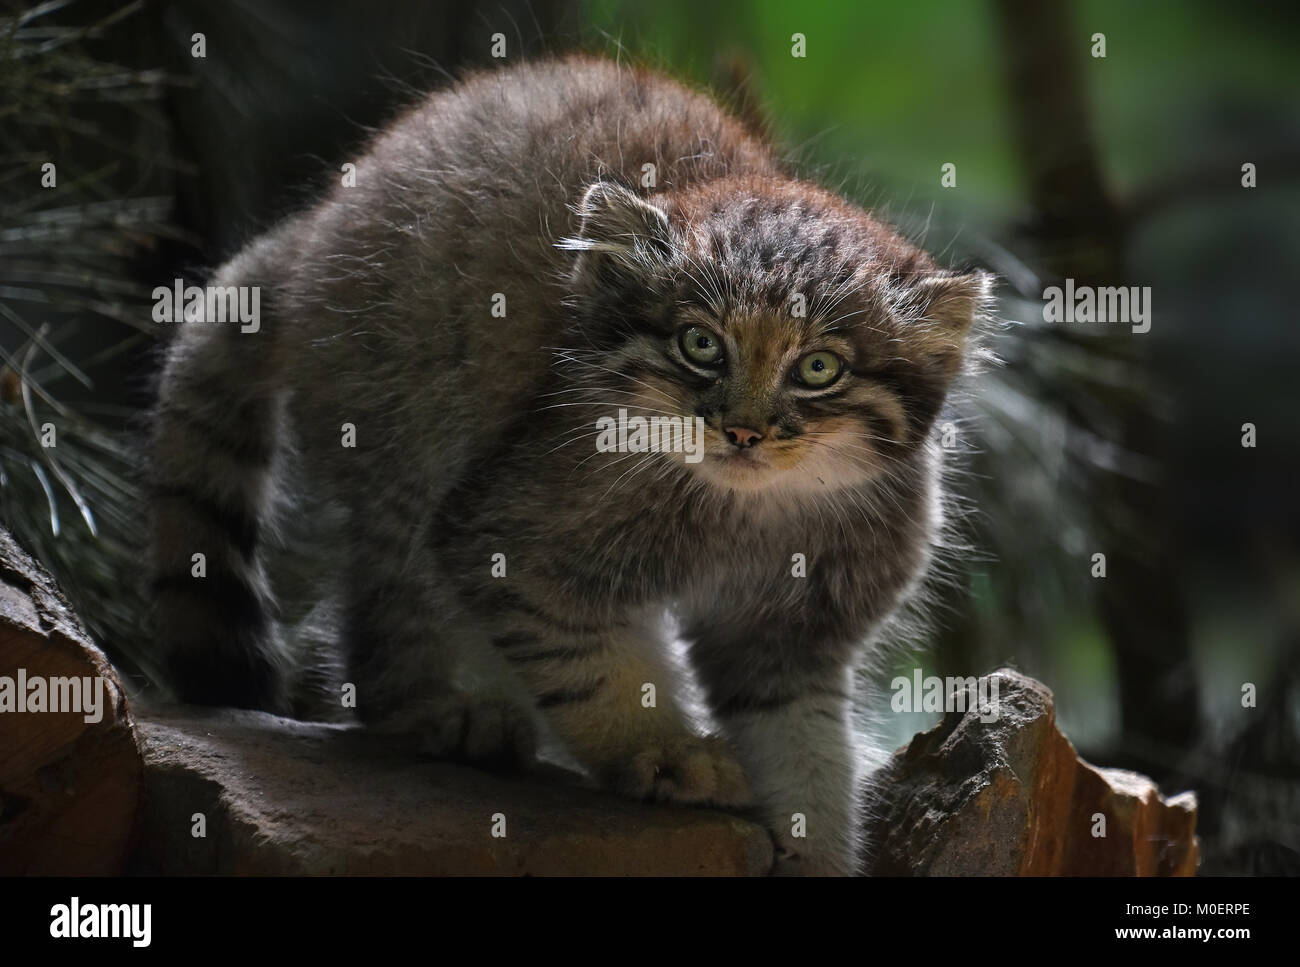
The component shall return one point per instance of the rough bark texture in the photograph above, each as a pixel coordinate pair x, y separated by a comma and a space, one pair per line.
69, 789
1011, 798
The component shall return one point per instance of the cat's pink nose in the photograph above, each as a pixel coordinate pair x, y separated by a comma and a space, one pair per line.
742, 436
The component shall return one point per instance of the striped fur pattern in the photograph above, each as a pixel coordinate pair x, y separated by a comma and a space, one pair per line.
500, 574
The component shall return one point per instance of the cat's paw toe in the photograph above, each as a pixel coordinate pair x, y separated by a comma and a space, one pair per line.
689, 769
486, 730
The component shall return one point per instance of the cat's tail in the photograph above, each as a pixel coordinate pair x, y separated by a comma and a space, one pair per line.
216, 434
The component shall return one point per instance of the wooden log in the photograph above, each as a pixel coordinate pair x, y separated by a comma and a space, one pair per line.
997, 790
70, 766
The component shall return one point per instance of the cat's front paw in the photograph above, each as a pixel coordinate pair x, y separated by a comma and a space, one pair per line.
481, 729
685, 769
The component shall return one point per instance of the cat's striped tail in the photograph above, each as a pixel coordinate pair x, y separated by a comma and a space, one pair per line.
215, 435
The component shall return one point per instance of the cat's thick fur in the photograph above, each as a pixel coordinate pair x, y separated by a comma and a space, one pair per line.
496, 565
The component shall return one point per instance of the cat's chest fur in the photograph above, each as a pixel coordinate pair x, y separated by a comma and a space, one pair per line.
611, 542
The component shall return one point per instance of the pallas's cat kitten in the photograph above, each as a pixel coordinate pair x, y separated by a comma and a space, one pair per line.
442, 348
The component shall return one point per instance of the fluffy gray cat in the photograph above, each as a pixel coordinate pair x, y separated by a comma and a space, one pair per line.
442, 349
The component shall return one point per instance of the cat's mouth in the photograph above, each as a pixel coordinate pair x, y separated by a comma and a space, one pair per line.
742, 469
742, 461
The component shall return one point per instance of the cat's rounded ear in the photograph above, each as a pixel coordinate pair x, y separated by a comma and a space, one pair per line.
942, 309
950, 303
618, 222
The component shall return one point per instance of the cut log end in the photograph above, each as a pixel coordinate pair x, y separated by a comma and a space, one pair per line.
70, 765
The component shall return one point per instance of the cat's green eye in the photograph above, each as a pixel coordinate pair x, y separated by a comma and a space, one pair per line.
819, 369
701, 346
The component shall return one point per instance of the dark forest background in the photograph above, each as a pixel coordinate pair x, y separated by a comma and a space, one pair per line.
1122, 170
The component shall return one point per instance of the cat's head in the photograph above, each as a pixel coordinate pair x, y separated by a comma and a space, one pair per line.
816, 345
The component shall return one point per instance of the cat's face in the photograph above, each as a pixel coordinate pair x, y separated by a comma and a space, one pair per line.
814, 345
